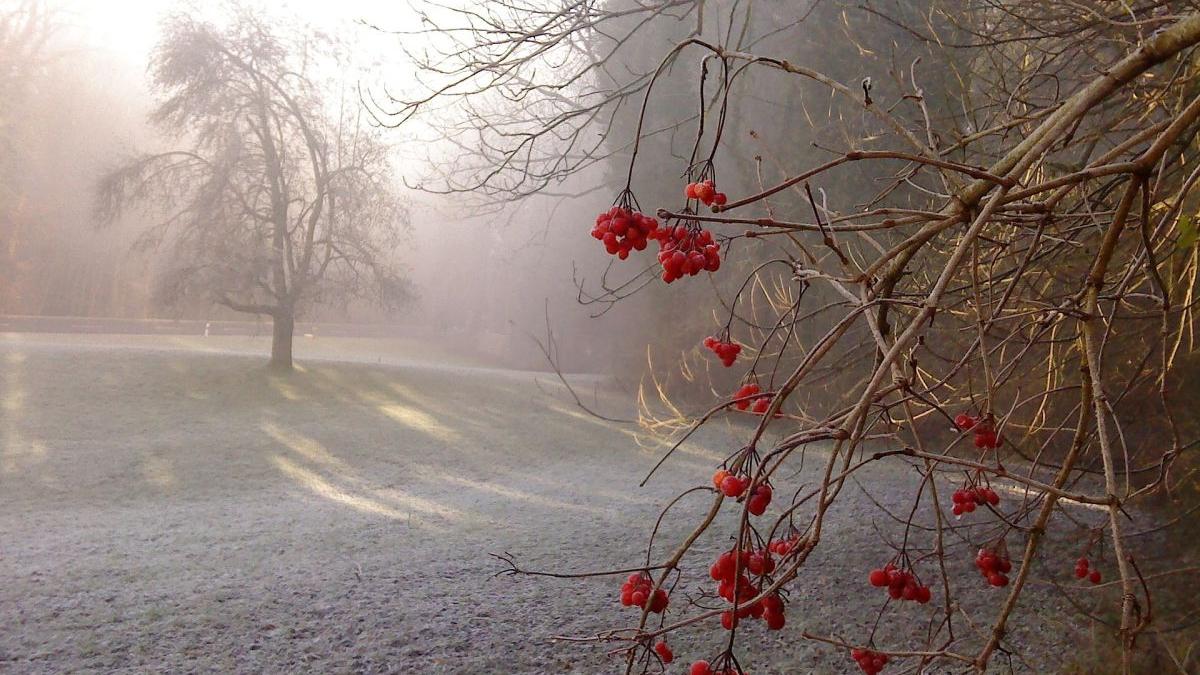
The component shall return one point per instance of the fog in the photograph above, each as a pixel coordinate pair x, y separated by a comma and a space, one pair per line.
483, 276
492, 246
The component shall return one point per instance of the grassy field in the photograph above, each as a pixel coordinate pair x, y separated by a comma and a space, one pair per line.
168, 506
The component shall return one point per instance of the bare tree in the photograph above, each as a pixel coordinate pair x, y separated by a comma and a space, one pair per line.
1007, 317
275, 199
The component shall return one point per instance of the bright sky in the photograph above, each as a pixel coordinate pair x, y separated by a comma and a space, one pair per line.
129, 28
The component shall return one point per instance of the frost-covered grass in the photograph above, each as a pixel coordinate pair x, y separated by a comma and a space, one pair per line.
166, 505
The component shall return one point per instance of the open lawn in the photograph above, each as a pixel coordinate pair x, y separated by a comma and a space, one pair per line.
168, 506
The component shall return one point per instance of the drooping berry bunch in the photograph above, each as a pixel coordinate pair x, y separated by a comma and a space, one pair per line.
994, 566
901, 584
870, 662
1082, 570
730, 570
705, 191
742, 395
965, 499
638, 591
664, 651
725, 350
623, 229
985, 433
686, 250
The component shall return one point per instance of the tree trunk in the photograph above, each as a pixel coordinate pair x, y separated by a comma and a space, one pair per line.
283, 323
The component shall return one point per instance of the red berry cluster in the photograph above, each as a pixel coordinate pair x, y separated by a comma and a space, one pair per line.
967, 498
664, 651
901, 584
743, 395
782, 547
623, 230
985, 434
994, 567
734, 585
733, 486
1081, 571
703, 668
705, 191
686, 251
724, 349
871, 662
639, 589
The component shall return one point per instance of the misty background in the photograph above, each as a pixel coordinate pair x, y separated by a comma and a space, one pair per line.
486, 270
77, 98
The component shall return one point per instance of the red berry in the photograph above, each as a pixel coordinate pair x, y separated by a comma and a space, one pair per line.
1094, 577
964, 421
659, 601
878, 578
773, 604
700, 668
728, 620
664, 652
760, 500
733, 486
774, 621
